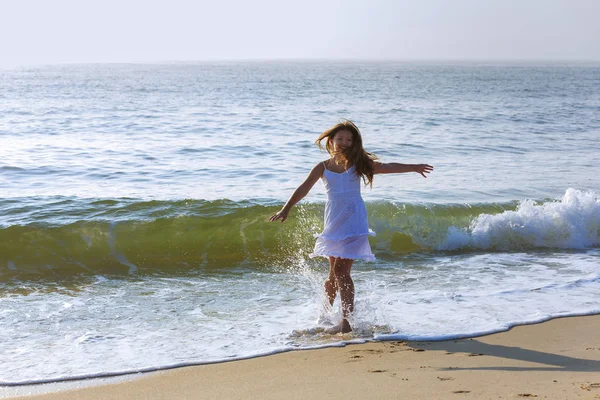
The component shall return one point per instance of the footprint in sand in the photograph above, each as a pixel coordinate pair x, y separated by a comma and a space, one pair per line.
590, 386
395, 347
397, 344
368, 351
357, 357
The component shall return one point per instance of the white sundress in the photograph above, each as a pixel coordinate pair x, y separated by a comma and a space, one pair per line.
346, 229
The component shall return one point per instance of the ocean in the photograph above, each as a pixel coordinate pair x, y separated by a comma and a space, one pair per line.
134, 206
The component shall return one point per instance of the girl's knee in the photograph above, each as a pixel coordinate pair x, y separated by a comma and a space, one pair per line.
342, 266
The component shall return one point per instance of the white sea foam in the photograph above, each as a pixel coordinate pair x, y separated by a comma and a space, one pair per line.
571, 222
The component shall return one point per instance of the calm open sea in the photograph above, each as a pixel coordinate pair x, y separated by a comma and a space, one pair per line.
134, 202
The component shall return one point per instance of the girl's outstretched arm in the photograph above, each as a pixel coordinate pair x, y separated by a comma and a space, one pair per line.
397, 168
300, 192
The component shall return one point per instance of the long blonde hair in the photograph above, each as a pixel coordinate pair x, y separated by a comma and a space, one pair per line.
357, 156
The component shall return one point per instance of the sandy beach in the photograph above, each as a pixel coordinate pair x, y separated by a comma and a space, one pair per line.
558, 359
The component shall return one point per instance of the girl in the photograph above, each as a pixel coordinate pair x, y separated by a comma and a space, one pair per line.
345, 237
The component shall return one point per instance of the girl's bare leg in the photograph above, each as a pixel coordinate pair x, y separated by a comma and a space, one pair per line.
345, 285
331, 286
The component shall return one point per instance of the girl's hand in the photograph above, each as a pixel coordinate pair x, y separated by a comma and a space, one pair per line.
423, 169
282, 215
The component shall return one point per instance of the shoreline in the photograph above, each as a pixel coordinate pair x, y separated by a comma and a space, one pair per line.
556, 358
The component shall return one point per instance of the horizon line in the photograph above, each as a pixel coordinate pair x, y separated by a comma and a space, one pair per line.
314, 60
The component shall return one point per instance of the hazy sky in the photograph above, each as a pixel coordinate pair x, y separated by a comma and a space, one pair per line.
65, 31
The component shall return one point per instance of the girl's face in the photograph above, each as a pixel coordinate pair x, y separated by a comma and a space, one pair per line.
342, 142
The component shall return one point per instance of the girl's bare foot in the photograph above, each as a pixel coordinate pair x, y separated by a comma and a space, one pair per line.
342, 327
